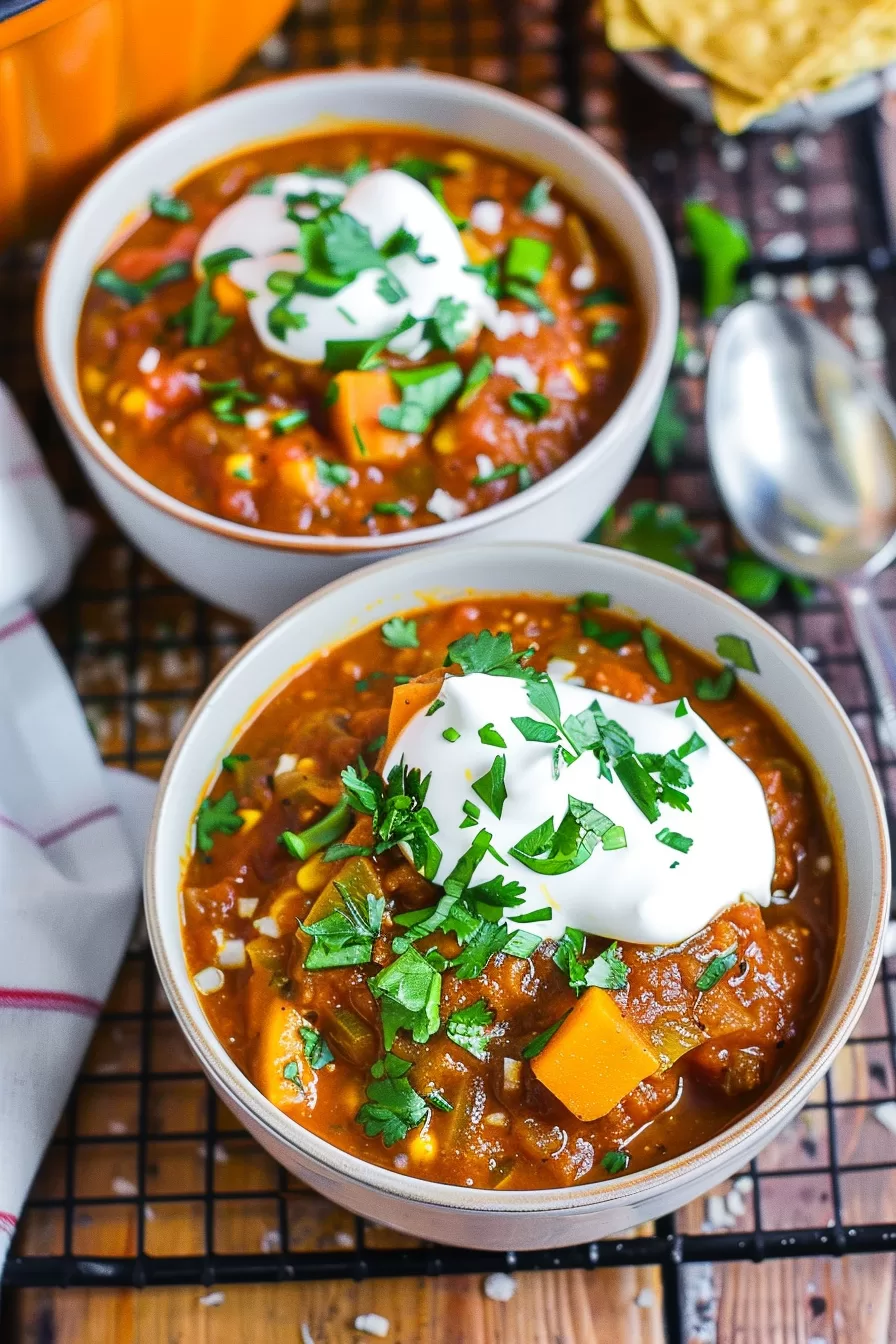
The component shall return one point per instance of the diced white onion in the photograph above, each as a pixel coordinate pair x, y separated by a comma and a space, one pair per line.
268, 926
551, 213
370, 1323
583, 277
246, 906
504, 324
445, 506
519, 369
484, 465
255, 418
209, 980
286, 763
529, 324
149, 360
487, 216
233, 954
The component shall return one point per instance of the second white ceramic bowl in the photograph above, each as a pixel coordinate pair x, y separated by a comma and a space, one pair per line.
258, 573
693, 612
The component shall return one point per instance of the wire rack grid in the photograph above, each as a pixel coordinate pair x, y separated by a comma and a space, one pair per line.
149, 1180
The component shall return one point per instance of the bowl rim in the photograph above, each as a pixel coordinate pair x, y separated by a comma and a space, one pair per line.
64, 390
341, 1166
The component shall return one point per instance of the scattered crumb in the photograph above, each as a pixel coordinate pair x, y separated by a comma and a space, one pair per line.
717, 1215
735, 1203
885, 1114
124, 1187
305, 1333
117, 1127
270, 1241
499, 1287
212, 1299
372, 1324
344, 1239
274, 53
644, 1298
149, 1213
744, 1185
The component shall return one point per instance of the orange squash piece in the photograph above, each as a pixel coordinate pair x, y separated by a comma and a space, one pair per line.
355, 421
595, 1058
282, 1071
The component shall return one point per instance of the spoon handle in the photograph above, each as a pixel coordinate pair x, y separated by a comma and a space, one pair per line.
875, 638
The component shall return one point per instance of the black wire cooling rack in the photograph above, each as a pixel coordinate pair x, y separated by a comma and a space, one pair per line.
149, 1180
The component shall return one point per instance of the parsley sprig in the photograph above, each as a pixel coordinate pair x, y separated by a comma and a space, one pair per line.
393, 1107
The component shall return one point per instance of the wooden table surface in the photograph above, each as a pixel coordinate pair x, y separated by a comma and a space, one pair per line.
850, 1301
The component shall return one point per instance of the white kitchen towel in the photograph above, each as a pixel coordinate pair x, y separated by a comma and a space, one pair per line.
71, 834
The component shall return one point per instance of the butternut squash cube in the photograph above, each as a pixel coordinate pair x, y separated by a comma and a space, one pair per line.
595, 1058
355, 417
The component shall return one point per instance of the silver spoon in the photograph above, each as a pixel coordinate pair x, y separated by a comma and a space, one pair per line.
802, 444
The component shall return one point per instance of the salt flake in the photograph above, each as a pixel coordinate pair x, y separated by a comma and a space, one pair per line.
499, 1287
372, 1324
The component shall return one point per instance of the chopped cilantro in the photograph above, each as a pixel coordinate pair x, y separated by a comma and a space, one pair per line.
471, 815
604, 331
549, 851
608, 970
655, 653
532, 916
445, 330
393, 507
232, 761
491, 788
529, 405
393, 1108
409, 990
398, 811
535, 730
291, 1074
538, 1043
165, 206
215, 263
440, 1102
694, 743
341, 355
473, 958
201, 318
467, 1028
521, 944
490, 737
537, 196
133, 292
436, 704
424, 393
219, 816
518, 469
399, 633
485, 652
716, 688
669, 430
451, 735
736, 650
345, 936
516, 289
527, 259
723, 246
568, 958
681, 710
332, 473
478, 376
719, 966
317, 1052
289, 420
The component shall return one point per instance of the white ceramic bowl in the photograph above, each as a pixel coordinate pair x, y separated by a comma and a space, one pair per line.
258, 573
693, 612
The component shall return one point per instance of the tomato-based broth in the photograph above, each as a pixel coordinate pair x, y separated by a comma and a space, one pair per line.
402, 953
357, 333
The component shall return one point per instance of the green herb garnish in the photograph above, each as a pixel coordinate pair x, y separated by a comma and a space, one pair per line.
551, 851
289, 420
201, 318
608, 970
719, 966
722, 246
234, 760
532, 406
491, 788
424, 393
467, 1028
527, 259
345, 936
674, 840
408, 990
393, 1108
317, 1052
451, 735
216, 816
716, 688
490, 737
538, 1043
655, 654
736, 650
165, 206
399, 633
537, 196
614, 1162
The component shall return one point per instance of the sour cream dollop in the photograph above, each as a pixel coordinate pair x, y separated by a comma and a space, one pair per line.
645, 892
383, 201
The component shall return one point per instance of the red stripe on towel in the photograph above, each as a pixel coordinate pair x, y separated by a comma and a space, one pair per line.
8, 1222
49, 1001
17, 626
98, 814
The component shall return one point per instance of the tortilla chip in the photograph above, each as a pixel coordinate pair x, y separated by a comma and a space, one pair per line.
627, 29
753, 47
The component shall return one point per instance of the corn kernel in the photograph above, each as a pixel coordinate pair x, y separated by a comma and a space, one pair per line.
423, 1147
115, 390
251, 817
460, 160
239, 465
444, 441
134, 401
313, 876
475, 249
597, 359
576, 378
94, 379
307, 765
229, 296
299, 474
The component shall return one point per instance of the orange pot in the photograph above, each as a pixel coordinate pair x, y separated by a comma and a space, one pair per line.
78, 78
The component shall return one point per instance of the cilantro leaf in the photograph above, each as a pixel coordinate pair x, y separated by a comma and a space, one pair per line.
201, 318
424, 393
669, 429
166, 206
549, 851
535, 730
716, 688
485, 652
399, 633
694, 743
317, 1052
234, 760
608, 970
532, 406
736, 650
409, 990
345, 936
216, 816
538, 1043
521, 944
537, 196
542, 695
614, 1162
491, 788
656, 654
332, 473
475, 955
466, 1028
639, 785
478, 376
718, 967
348, 246
490, 737
393, 1108
568, 958
659, 531
397, 808
341, 355
214, 263
446, 328
723, 246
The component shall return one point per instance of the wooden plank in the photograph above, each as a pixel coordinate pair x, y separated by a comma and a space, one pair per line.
572, 1306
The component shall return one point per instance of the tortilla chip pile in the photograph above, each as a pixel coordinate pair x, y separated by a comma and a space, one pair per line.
760, 54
